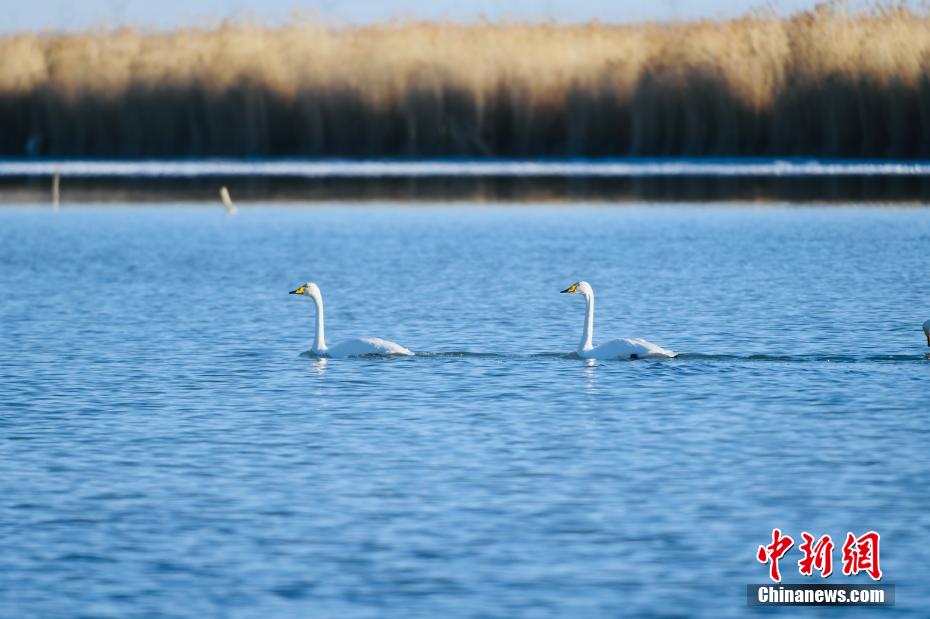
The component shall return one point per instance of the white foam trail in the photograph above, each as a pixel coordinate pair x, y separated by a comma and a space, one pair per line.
627, 168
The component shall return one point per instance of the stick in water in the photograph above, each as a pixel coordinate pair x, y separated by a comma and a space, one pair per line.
227, 201
56, 193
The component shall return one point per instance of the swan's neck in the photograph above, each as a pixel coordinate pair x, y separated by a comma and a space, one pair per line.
319, 344
588, 335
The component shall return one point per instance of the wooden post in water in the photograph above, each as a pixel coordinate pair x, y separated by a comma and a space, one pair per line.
56, 191
227, 201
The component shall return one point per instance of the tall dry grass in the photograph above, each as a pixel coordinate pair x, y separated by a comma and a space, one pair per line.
827, 83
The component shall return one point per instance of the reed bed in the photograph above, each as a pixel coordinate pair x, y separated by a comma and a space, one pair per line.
830, 82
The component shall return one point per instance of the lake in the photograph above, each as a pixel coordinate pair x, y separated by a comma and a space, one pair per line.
169, 451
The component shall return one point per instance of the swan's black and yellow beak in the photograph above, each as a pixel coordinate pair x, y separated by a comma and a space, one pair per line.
570, 289
300, 290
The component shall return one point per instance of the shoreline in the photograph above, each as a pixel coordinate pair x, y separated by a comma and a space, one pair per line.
38, 190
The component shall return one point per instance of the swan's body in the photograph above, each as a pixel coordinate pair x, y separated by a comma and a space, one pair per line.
626, 348
357, 347
360, 346
927, 331
614, 349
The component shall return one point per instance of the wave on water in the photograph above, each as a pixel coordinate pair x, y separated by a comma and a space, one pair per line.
755, 358
309, 354
448, 354
818, 358
556, 355
462, 354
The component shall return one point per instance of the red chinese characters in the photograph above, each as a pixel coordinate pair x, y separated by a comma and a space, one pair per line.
773, 552
860, 554
817, 556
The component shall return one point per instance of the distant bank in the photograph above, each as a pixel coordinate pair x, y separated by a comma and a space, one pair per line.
824, 84
441, 180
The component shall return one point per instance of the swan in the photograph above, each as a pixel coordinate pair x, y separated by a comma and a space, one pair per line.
615, 349
357, 347
927, 331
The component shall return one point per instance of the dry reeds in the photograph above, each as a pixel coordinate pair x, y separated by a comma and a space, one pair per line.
826, 83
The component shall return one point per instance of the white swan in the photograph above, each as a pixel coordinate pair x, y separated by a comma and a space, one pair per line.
927, 331
615, 349
357, 347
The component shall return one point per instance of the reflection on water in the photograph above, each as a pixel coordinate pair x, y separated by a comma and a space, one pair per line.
590, 371
169, 452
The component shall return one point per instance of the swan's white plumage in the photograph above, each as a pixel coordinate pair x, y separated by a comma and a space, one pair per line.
614, 349
357, 347
627, 349
361, 346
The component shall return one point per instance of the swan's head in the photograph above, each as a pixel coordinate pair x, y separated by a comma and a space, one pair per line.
308, 290
927, 331
581, 287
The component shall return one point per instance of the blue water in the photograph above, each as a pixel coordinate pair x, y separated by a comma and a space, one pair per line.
167, 451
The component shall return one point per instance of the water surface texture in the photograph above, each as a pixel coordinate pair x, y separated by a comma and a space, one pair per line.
167, 451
